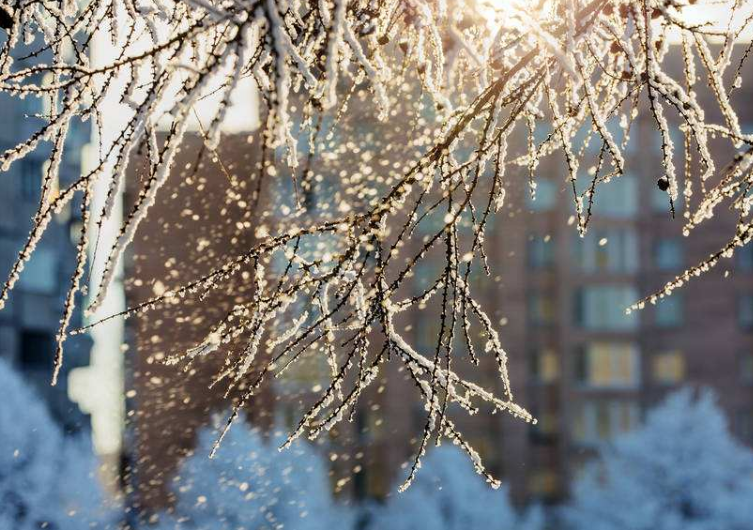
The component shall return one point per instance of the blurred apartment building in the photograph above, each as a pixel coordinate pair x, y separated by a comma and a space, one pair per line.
30, 321
585, 369
592, 370
188, 235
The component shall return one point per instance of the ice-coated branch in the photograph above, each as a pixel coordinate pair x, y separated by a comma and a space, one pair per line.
447, 87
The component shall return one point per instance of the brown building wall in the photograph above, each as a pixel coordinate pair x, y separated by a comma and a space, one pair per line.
187, 235
542, 461
709, 336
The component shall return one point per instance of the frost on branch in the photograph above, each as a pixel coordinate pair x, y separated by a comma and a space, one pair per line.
468, 77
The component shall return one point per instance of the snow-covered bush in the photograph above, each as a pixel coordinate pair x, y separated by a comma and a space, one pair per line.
681, 471
449, 495
250, 485
46, 480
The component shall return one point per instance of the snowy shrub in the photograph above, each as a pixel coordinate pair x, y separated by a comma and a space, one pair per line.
250, 485
449, 495
46, 480
681, 471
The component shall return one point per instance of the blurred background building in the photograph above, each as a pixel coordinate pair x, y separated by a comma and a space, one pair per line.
587, 370
30, 321
188, 236
583, 367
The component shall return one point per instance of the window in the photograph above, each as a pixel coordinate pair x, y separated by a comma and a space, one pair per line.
744, 258
745, 311
617, 198
305, 376
660, 200
375, 482
606, 251
544, 431
427, 331
540, 253
543, 482
744, 425
369, 424
595, 140
602, 420
37, 349
608, 364
669, 367
40, 273
602, 307
746, 368
668, 254
546, 424
541, 309
668, 312
545, 197
483, 445
425, 274
75, 229
31, 179
545, 365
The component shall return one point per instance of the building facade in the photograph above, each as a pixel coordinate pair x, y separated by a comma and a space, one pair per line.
186, 237
593, 369
577, 361
30, 321
587, 370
